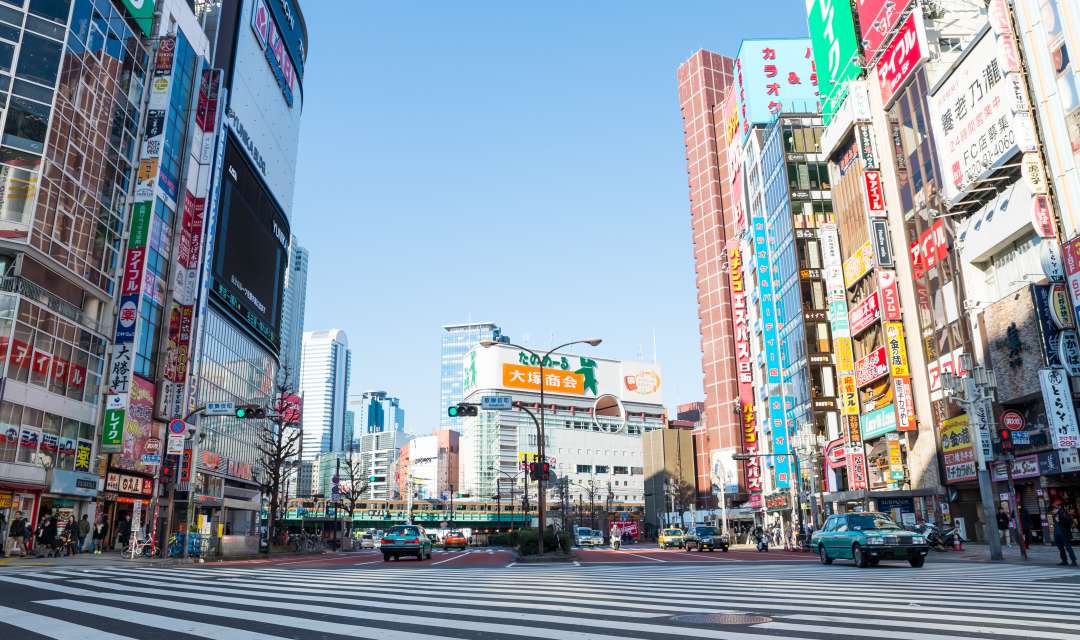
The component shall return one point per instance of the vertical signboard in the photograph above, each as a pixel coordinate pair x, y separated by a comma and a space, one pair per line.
1060, 411
766, 293
836, 50
877, 18
897, 65
772, 76
121, 369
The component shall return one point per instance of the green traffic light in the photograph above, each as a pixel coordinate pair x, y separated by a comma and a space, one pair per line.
452, 411
241, 412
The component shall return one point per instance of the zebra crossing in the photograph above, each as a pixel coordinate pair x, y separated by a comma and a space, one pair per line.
731, 601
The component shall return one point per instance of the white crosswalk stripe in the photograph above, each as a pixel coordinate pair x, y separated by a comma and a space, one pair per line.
266, 602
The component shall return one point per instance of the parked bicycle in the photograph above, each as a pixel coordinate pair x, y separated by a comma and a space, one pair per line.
176, 545
307, 543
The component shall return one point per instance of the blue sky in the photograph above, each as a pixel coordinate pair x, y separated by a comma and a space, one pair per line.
515, 162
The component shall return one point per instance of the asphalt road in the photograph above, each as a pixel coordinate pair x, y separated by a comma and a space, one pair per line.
478, 594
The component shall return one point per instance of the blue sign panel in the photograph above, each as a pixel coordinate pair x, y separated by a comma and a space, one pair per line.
766, 294
127, 317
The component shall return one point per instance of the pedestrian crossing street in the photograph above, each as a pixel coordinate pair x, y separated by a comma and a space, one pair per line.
399, 602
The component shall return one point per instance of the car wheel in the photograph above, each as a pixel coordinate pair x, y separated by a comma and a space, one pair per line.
859, 557
917, 560
386, 557
824, 555
874, 562
725, 548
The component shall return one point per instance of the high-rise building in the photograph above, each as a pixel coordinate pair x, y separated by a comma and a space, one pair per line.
292, 321
324, 385
703, 81
66, 203
669, 477
457, 339
375, 412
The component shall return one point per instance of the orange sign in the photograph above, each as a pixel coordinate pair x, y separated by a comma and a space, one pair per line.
516, 376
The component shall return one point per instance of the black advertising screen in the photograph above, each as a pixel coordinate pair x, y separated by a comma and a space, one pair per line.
250, 247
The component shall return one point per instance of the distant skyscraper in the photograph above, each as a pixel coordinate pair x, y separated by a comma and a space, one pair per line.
457, 339
375, 412
292, 314
325, 368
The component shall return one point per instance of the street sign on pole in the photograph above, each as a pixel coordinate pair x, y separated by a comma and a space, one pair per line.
496, 403
177, 427
175, 445
220, 409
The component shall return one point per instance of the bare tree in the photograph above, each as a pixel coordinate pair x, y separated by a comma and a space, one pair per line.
352, 484
278, 440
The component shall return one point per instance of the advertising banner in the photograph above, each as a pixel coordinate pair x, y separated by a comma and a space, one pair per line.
774, 75
849, 396
932, 247
856, 467
836, 50
894, 342
974, 115
83, 452
751, 467
903, 56
140, 430
957, 450
878, 423
1071, 260
835, 456
890, 296
741, 322
875, 197
142, 12
896, 457
879, 234
505, 367
858, 264
865, 139
905, 405
780, 445
877, 19
1060, 411
766, 291
871, 367
865, 313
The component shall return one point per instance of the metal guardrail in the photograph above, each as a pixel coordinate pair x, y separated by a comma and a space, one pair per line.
27, 289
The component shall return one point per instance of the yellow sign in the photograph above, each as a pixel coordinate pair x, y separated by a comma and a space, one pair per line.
6, 500
845, 359
148, 168
955, 434
528, 457
849, 396
859, 264
894, 343
516, 376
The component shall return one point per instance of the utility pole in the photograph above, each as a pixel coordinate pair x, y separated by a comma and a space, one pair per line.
974, 392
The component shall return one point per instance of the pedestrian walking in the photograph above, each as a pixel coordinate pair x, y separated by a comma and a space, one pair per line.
84, 530
47, 538
17, 535
1003, 526
1063, 524
100, 529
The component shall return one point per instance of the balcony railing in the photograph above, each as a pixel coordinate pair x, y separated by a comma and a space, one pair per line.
32, 291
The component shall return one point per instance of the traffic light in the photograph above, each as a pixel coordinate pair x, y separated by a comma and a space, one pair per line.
539, 470
168, 469
1006, 440
461, 410
250, 412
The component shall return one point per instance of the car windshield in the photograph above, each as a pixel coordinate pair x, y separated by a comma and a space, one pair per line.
403, 531
672, 532
596, 532
705, 531
584, 532
454, 534
871, 522
367, 536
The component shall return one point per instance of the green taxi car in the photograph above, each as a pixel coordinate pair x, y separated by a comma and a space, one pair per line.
405, 540
866, 539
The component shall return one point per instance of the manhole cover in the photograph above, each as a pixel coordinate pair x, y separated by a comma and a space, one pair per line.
721, 618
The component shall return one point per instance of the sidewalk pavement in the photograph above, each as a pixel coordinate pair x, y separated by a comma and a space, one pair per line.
83, 560
1038, 554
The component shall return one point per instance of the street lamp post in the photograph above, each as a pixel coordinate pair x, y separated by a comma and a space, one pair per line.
541, 503
512, 477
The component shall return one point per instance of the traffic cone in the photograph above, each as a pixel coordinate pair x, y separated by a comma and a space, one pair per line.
957, 543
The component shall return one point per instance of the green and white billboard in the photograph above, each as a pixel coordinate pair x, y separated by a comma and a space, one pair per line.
836, 49
143, 13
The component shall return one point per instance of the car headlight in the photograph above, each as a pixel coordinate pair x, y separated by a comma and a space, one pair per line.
918, 540
875, 541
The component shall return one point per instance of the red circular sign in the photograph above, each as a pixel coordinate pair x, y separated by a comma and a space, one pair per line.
1013, 420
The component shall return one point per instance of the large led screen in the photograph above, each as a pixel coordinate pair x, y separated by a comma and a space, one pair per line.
250, 247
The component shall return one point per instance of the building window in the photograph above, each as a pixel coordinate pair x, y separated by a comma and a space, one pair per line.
601, 468
637, 471
146, 355
584, 468
620, 471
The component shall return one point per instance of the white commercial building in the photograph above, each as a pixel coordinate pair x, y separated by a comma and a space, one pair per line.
324, 385
378, 457
292, 311
597, 454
